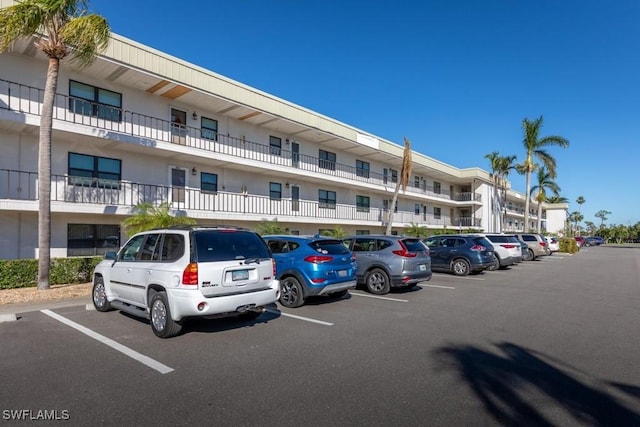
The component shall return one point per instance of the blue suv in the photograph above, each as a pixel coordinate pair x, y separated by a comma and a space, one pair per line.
311, 265
460, 254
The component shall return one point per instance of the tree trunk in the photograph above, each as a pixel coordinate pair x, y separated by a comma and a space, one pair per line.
392, 209
526, 202
44, 174
539, 217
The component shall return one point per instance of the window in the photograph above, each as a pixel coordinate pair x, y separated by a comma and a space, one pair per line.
326, 231
209, 128
416, 181
92, 171
362, 232
437, 213
437, 188
386, 203
93, 101
327, 160
385, 175
394, 175
327, 199
209, 182
275, 191
362, 169
362, 203
172, 247
416, 209
275, 145
92, 239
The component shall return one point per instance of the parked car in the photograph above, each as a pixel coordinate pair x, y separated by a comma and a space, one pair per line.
507, 249
311, 265
593, 241
536, 245
552, 244
579, 240
168, 275
386, 262
460, 254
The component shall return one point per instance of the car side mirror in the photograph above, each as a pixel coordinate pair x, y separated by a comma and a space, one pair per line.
111, 255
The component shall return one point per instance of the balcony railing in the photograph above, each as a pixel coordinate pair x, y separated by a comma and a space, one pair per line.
22, 185
26, 99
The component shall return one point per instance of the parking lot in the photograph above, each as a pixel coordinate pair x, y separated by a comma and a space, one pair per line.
548, 342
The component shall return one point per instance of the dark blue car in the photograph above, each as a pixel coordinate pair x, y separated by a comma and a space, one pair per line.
311, 265
460, 254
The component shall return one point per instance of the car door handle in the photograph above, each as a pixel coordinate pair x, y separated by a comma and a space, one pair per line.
148, 271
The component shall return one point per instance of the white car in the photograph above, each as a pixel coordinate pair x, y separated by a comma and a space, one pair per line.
552, 244
168, 275
507, 249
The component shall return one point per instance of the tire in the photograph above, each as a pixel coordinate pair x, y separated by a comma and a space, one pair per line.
377, 282
99, 296
460, 267
291, 294
532, 256
528, 255
495, 265
160, 317
252, 314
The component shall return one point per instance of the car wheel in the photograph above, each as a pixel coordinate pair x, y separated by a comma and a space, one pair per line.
526, 256
460, 267
532, 256
291, 295
100, 301
377, 282
251, 314
161, 322
495, 264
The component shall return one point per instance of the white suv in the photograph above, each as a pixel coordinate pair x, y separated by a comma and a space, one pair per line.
167, 275
507, 249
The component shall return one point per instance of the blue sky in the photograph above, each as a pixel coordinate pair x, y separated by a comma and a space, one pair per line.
455, 77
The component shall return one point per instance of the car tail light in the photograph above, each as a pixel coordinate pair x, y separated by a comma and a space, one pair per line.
318, 259
508, 246
404, 252
190, 274
353, 257
273, 264
320, 280
543, 244
477, 248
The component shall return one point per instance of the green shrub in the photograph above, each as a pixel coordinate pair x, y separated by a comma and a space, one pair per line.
568, 245
23, 273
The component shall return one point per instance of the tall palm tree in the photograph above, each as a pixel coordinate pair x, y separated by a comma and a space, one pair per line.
535, 148
405, 175
602, 214
494, 161
580, 200
60, 28
505, 165
539, 191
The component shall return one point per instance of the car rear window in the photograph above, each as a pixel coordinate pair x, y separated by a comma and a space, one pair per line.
228, 245
498, 239
482, 241
414, 245
333, 247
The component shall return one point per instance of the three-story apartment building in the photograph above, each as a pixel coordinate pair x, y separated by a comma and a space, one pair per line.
142, 126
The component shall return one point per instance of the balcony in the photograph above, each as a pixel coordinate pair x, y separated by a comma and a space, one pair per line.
22, 99
23, 186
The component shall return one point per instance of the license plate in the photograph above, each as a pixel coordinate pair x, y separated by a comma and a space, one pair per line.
422, 267
342, 273
239, 275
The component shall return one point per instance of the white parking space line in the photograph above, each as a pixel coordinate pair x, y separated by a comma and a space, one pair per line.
377, 297
306, 319
145, 360
458, 277
437, 286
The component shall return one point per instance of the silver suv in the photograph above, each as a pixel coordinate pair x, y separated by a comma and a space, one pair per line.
167, 275
536, 244
389, 261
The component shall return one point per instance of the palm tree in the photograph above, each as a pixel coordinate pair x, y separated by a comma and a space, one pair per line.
535, 146
576, 217
556, 198
267, 227
61, 28
148, 217
405, 175
580, 200
494, 161
539, 191
602, 214
415, 230
505, 165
